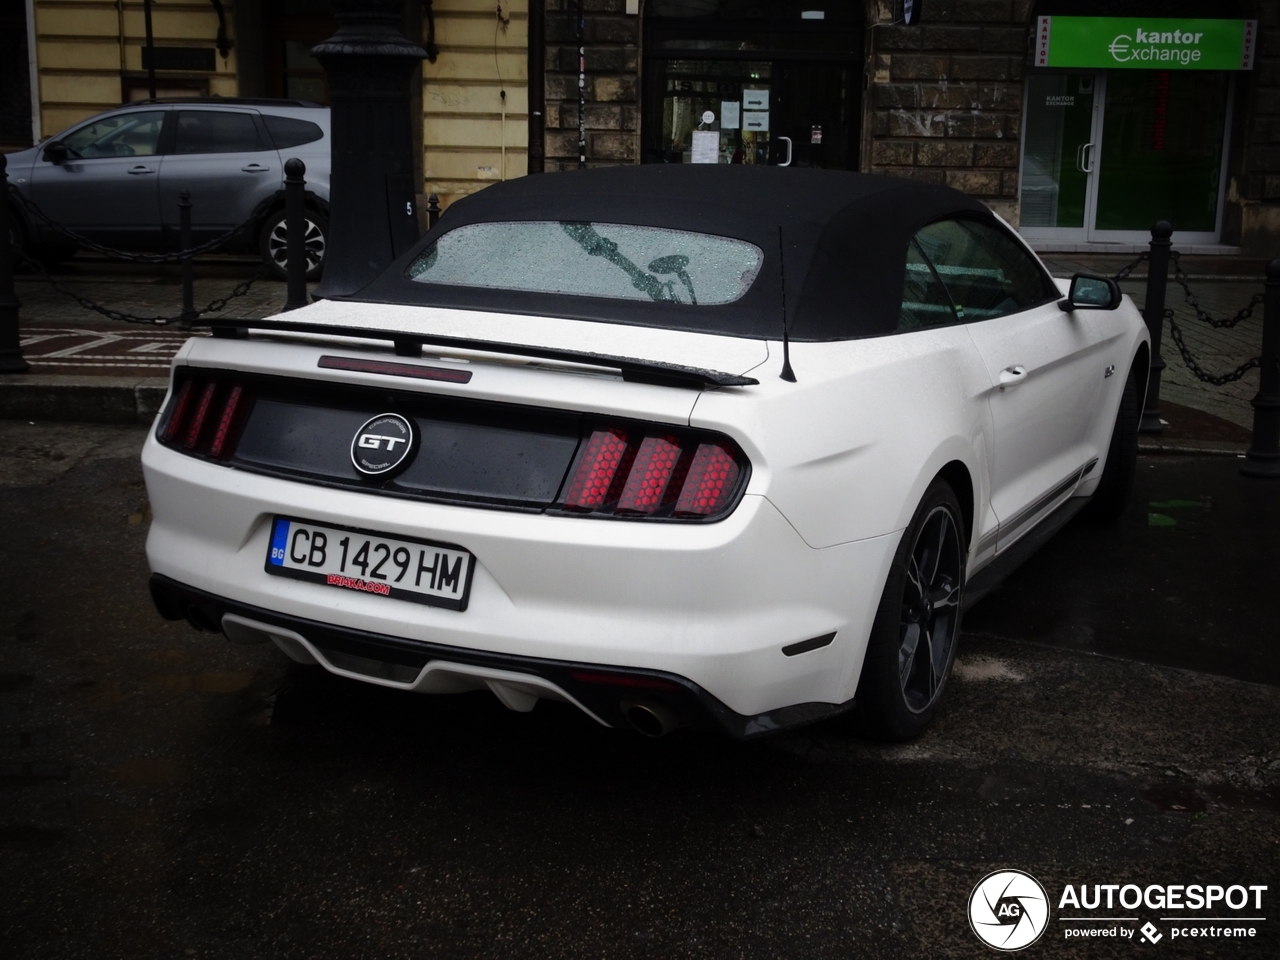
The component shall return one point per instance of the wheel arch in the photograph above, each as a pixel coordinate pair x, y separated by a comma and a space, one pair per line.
1141, 368
957, 476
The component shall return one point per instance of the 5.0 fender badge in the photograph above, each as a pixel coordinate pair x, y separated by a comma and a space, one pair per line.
383, 445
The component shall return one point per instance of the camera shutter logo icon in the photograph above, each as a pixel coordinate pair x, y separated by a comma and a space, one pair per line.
1008, 910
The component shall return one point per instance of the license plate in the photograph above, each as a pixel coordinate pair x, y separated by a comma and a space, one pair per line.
419, 570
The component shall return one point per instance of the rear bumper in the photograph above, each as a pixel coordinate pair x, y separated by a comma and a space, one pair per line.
601, 692
717, 604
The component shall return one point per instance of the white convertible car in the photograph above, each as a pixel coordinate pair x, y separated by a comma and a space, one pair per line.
681, 446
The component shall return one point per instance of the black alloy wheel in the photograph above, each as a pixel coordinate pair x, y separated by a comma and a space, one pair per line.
273, 244
930, 610
913, 640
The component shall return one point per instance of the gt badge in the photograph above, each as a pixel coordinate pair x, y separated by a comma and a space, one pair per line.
382, 445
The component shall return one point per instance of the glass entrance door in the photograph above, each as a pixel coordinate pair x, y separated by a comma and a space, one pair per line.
786, 113
1057, 150
1107, 154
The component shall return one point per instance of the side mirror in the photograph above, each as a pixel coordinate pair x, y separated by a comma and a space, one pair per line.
1091, 293
56, 153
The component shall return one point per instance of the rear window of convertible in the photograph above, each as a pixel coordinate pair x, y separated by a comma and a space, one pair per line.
592, 260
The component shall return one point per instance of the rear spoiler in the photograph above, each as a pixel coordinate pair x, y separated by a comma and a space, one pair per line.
410, 345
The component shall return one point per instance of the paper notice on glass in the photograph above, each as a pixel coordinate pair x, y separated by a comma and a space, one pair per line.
755, 99
706, 146
755, 120
730, 114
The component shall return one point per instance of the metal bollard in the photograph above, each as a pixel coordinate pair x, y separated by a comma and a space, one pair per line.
10, 349
1153, 313
188, 269
433, 210
1263, 457
295, 225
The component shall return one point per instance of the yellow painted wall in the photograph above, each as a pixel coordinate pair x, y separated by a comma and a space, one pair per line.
463, 130
85, 47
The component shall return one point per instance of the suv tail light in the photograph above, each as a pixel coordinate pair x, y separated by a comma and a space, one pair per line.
638, 472
205, 416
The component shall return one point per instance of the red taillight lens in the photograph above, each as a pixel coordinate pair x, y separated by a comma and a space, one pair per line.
224, 425
199, 402
597, 468
180, 406
650, 475
202, 412
631, 472
710, 483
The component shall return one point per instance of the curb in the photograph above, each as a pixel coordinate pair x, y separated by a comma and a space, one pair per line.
25, 396
1191, 448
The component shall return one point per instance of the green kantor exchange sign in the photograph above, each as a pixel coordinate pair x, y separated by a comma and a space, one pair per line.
1146, 43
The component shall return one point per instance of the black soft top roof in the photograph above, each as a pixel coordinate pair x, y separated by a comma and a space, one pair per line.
845, 236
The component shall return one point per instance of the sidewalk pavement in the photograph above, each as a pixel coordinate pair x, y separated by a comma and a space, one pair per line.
87, 367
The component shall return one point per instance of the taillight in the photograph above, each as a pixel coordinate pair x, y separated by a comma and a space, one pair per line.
228, 418
596, 470
205, 416
637, 473
712, 477
179, 412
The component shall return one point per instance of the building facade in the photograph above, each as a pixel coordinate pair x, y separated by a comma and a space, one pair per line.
1079, 121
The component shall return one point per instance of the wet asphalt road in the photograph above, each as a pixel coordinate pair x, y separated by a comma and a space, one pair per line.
165, 794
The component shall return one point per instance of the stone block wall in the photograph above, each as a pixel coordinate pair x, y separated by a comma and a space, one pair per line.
944, 97
612, 88
1252, 216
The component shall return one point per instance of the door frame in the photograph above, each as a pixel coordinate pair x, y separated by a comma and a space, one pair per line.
1090, 233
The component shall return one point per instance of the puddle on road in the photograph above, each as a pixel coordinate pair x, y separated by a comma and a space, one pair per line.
1196, 798
147, 771
986, 669
30, 833
214, 681
1157, 519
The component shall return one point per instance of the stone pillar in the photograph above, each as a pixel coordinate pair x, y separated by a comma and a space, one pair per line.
371, 187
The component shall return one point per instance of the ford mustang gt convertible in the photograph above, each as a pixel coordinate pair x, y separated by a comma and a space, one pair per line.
724, 448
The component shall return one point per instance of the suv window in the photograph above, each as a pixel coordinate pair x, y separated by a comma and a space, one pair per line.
986, 272
210, 131
124, 135
288, 132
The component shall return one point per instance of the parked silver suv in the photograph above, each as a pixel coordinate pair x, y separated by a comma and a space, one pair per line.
116, 177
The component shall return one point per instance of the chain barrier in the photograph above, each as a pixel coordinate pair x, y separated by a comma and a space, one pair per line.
1123, 273
214, 306
131, 256
1201, 373
1180, 277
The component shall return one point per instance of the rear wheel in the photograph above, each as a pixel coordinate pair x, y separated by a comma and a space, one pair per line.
1112, 496
273, 243
917, 625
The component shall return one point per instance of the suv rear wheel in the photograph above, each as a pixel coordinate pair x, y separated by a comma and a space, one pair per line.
273, 243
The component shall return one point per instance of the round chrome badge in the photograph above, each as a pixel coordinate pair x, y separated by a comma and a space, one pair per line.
382, 445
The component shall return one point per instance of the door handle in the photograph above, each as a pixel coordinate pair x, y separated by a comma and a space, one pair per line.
255, 168
1084, 158
139, 171
1012, 376
787, 162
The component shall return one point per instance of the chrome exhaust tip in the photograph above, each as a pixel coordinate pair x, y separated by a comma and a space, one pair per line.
650, 718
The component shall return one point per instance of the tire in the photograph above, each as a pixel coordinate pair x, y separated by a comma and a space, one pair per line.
913, 644
272, 243
1112, 495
